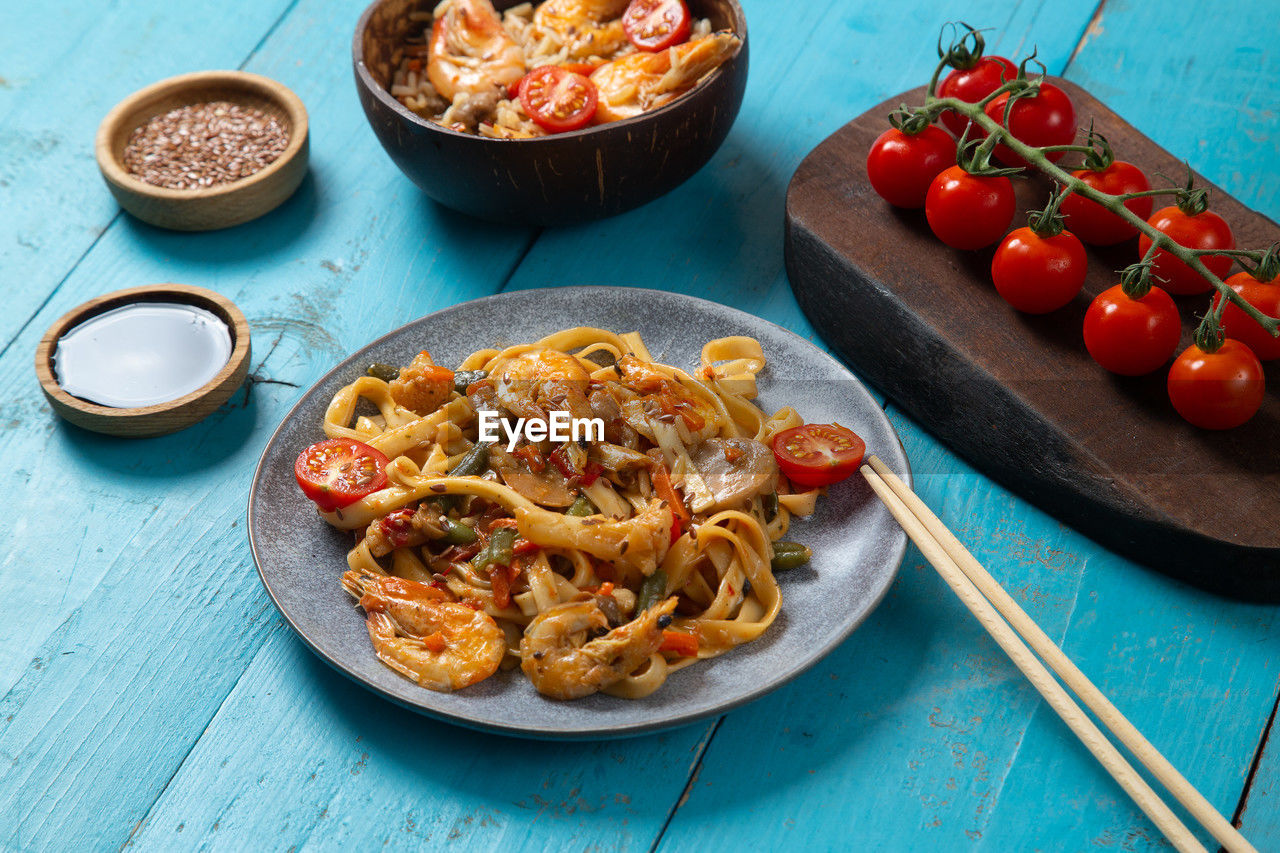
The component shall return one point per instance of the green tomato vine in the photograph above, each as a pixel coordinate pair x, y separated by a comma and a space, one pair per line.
963, 52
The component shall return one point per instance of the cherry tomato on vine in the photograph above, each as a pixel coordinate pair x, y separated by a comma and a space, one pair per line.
969, 211
1205, 230
1038, 274
1046, 118
1263, 295
655, 25
340, 471
818, 454
901, 166
1132, 336
1217, 390
557, 99
972, 85
1092, 222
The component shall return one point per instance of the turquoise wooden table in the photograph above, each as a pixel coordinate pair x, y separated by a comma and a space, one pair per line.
153, 697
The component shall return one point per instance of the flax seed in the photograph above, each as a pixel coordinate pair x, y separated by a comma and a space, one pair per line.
201, 145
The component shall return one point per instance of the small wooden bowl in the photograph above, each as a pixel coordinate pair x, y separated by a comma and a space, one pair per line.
549, 180
161, 418
221, 205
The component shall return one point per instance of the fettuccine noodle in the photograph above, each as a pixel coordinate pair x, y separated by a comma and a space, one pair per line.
601, 564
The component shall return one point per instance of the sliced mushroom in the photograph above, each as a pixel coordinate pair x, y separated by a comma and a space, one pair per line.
546, 489
735, 469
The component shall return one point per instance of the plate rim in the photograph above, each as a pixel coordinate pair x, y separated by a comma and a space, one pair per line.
613, 731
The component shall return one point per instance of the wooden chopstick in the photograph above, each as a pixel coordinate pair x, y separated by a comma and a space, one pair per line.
1221, 829
1026, 661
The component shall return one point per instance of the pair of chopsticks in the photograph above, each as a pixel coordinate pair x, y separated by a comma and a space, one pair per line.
997, 612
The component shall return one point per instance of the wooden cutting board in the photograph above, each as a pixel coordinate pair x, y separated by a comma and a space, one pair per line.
1017, 395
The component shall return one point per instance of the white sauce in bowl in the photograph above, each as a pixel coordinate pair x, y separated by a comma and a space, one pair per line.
142, 354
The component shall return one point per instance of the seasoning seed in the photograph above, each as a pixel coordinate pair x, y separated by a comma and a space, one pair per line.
200, 145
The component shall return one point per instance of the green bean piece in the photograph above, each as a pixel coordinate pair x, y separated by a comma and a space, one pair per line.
456, 533
385, 372
473, 464
481, 561
463, 378
582, 507
653, 590
500, 542
771, 506
789, 555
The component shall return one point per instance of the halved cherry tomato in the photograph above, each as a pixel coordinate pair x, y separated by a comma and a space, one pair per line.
1206, 230
558, 100
972, 85
679, 643
583, 68
818, 454
1045, 118
1263, 295
1131, 336
969, 211
1217, 390
1038, 274
1092, 222
655, 25
901, 166
340, 471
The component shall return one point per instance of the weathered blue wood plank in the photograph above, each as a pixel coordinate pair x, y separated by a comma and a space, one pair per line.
1200, 80
339, 769
719, 236
139, 658
1261, 816
133, 605
1201, 83
918, 734
926, 738
63, 65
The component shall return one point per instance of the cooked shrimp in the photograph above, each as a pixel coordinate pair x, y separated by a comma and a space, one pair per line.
422, 386
664, 399
470, 51
540, 381
586, 28
440, 644
637, 82
563, 663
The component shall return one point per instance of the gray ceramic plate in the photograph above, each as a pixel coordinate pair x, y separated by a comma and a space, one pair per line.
857, 546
